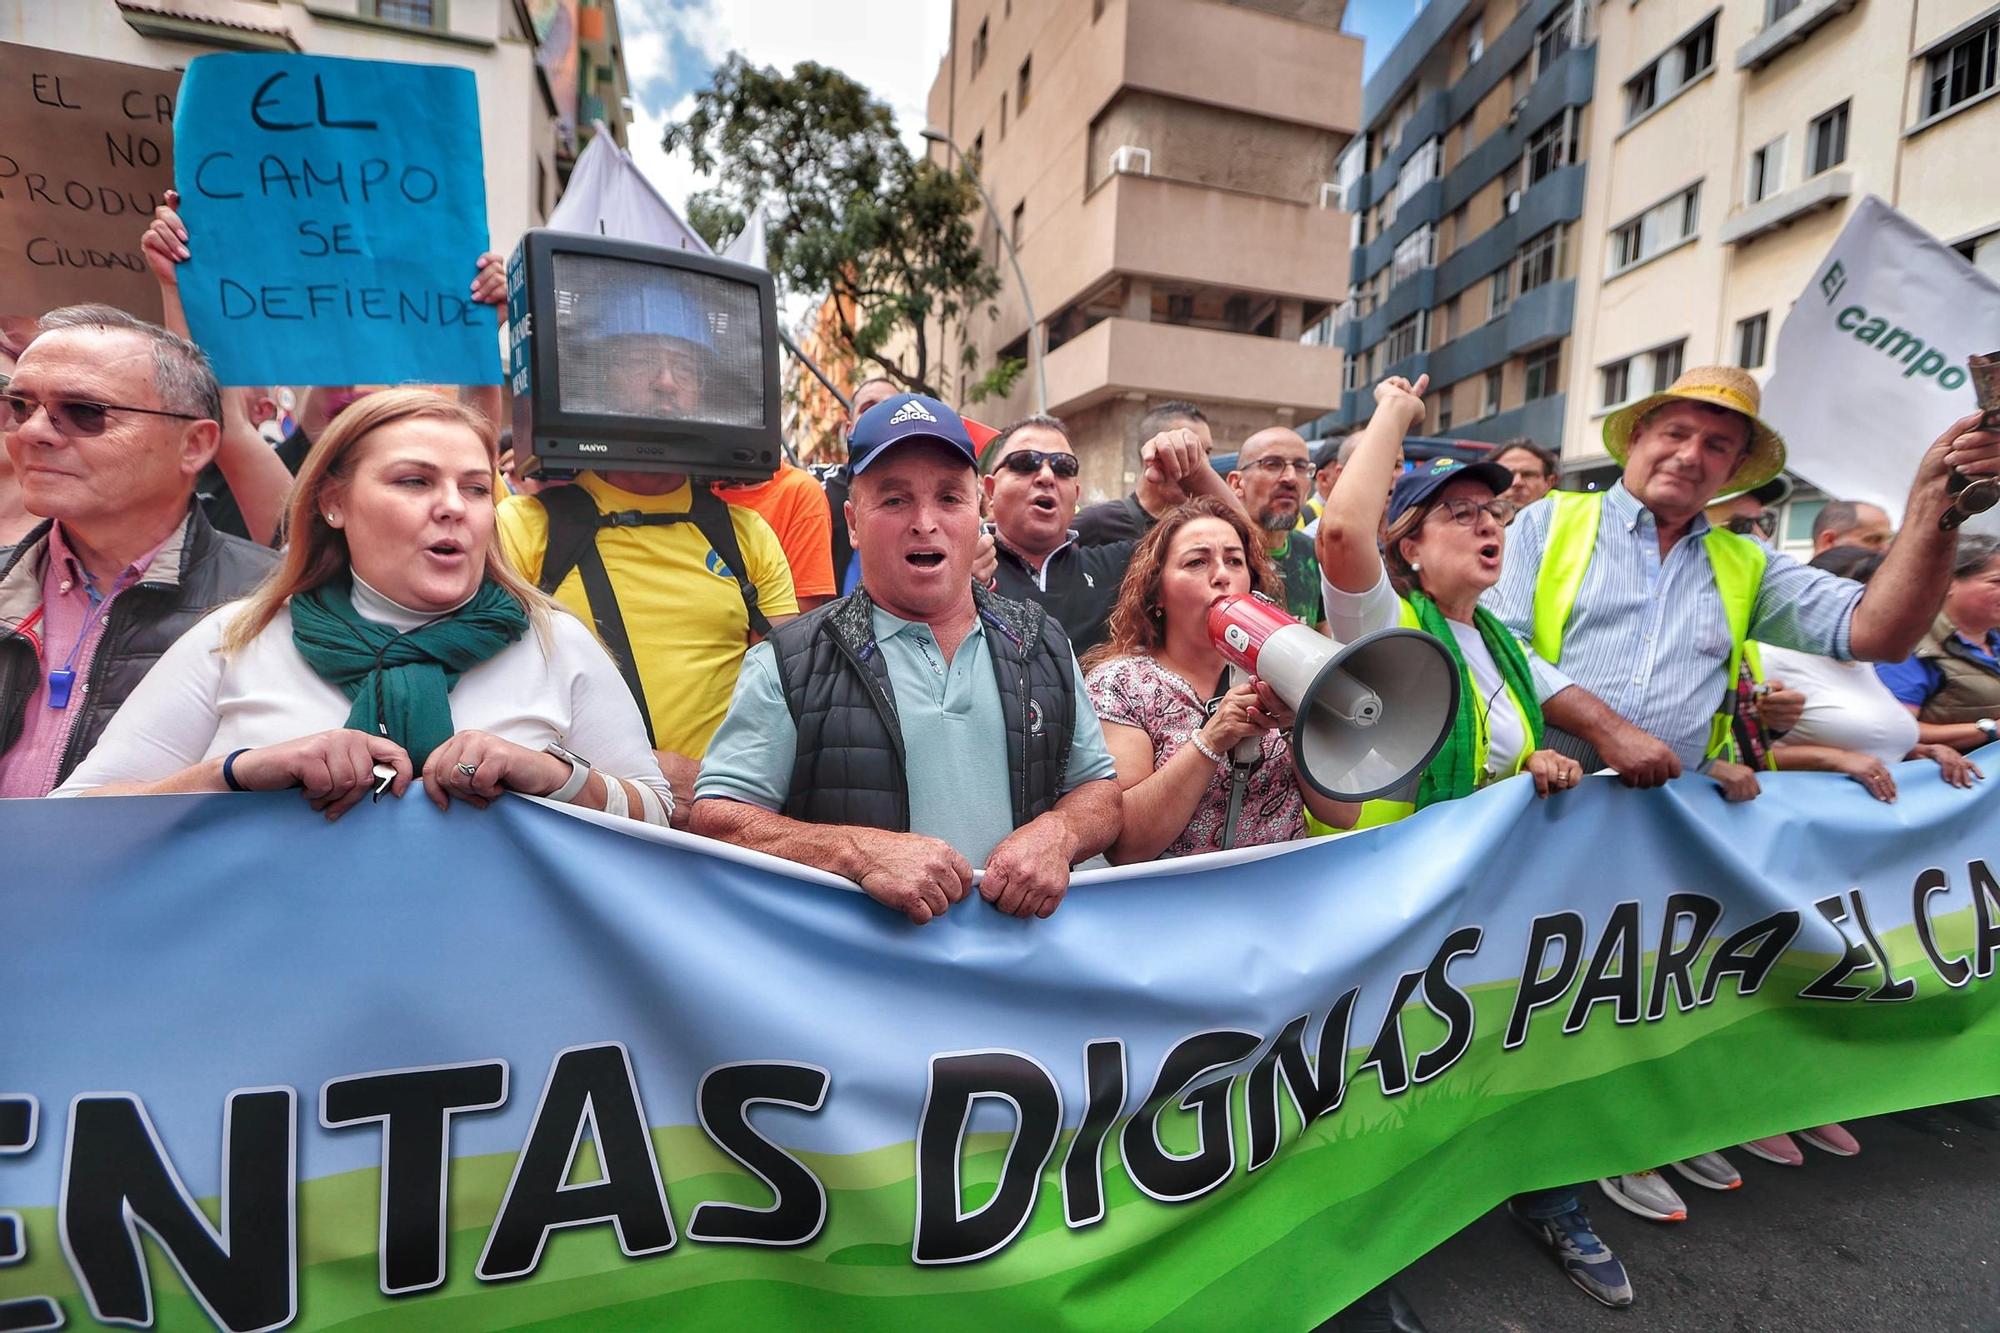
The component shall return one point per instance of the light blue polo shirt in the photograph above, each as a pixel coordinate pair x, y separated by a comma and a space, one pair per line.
954, 737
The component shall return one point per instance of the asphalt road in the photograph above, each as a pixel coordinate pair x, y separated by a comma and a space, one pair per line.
1901, 1239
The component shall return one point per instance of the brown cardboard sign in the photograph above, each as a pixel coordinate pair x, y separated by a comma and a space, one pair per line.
88, 154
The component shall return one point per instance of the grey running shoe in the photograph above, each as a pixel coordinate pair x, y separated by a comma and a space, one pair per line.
1646, 1193
1711, 1171
1583, 1258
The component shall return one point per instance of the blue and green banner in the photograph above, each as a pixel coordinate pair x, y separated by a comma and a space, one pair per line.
519, 1067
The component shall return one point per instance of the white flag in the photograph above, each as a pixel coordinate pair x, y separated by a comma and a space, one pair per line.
1871, 359
609, 196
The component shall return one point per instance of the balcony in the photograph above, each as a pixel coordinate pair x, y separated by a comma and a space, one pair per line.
1119, 356
1829, 189
1218, 238
1788, 31
1250, 61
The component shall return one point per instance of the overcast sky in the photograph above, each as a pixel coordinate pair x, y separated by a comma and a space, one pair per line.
892, 46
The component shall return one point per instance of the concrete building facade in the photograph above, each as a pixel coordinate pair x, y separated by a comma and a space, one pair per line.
1165, 170
544, 68
1731, 144
1466, 185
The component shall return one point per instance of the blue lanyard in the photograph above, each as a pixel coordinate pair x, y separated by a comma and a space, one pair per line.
62, 680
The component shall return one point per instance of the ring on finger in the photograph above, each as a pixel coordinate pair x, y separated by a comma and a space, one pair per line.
468, 769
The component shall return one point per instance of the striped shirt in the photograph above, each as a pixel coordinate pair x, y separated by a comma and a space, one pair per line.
1648, 635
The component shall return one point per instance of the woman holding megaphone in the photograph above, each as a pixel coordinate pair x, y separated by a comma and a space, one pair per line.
1172, 719
1441, 551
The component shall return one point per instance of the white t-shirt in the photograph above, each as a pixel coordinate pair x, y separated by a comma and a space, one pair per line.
1847, 705
198, 704
1350, 615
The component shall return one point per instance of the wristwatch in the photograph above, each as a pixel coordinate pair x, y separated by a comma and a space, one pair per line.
1988, 728
579, 772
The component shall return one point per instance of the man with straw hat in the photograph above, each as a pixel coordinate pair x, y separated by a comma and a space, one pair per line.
1644, 608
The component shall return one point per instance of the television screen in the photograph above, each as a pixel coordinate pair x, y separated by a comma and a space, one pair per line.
668, 344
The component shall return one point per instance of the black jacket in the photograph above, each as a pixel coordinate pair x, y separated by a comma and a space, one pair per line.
851, 766
192, 575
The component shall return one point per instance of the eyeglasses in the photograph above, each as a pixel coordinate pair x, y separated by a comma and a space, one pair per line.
1027, 462
73, 417
1466, 513
1745, 524
1275, 467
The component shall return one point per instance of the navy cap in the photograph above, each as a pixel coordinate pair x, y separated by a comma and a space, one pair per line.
907, 416
1413, 488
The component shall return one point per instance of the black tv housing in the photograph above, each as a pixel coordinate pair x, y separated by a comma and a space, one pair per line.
547, 321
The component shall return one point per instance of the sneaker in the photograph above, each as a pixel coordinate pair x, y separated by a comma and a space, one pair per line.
1646, 1193
1778, 1148
1981, 1111
1711, 1171
1583, 1258
1832, 1138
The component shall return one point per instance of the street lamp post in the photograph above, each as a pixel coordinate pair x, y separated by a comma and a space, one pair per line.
1000, 227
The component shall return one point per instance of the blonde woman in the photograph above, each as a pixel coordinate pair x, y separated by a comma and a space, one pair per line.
394, 642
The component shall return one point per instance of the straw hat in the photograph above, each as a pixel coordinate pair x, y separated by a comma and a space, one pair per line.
1719, 386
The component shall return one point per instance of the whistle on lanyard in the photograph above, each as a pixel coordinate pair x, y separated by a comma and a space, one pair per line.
61, 681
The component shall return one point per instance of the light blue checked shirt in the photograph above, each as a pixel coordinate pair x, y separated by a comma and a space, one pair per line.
1648, 636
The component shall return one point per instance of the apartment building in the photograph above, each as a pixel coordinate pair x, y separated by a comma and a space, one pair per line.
1731, 144
545, 69
1164, 169
1466, 184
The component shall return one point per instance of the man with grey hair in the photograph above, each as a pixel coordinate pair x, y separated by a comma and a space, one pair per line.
108, 421
1129, 518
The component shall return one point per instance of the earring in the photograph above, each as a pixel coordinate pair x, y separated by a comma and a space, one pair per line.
1415, 566
329, 517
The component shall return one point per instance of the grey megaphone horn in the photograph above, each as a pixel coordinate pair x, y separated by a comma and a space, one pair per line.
1371, 715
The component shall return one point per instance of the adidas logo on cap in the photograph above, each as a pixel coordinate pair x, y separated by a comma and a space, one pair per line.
911, 411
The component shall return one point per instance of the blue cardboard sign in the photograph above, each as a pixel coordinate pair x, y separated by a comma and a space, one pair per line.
336, 212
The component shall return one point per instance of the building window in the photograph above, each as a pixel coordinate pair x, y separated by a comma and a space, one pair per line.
979, 146
1475, 41
1555, 36
1750, 337
1543, 373
1654, 231
1405, 339
1350, 374
415, 13
1022, 81
1961, 71
1399, 122
1541, 259
1826, 141
1014, 227
1692, 57
1499, 292
1420, 170
1667, 364
1779, 8
1490, 402
1444, 412
1766, 175
1552, 146
1003, 115
1414, 252
1449, 319
1614, 383
979, 47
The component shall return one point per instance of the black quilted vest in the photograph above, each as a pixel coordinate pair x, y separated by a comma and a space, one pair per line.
850, 767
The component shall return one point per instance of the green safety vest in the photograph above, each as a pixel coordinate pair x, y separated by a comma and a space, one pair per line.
1386, 810
1737, 563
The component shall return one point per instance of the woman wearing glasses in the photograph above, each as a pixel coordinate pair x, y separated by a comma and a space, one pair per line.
394, 641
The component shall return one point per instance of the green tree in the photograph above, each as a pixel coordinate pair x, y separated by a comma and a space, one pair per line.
848, 211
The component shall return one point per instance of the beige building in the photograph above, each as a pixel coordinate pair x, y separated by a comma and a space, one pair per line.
1729, 147
545, 68
1165, 169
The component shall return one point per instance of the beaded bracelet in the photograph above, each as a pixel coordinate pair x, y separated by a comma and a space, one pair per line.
1201, 748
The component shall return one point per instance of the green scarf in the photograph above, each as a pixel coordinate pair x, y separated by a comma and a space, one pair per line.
1455, 772
400, 683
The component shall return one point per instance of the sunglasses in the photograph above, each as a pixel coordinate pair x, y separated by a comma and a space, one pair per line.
1027, 462
1745, 524
72, 417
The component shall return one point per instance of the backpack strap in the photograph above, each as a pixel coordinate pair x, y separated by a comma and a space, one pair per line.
573, 524
710, 515
574, 521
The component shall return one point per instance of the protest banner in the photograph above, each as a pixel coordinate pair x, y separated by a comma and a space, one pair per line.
87, 156
1870, 363
336, 210
484, 1069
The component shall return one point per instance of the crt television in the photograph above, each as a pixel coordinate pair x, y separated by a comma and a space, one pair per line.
640, 358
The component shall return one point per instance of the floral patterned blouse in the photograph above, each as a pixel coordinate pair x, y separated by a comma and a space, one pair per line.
1139, 692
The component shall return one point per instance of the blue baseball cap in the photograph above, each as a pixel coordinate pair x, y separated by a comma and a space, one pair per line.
907, 416
1413, 488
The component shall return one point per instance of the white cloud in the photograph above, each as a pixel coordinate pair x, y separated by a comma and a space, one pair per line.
891, 46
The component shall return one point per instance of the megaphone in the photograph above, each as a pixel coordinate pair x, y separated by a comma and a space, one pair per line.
1371, 714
